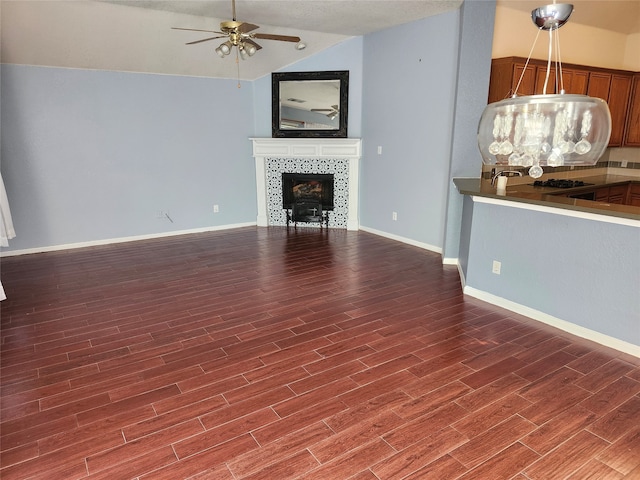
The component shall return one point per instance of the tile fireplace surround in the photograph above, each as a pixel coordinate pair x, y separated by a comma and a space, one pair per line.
339, 156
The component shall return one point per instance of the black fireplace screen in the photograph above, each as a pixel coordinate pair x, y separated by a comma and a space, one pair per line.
300, 187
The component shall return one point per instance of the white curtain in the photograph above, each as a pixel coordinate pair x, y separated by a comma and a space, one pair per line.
7, 231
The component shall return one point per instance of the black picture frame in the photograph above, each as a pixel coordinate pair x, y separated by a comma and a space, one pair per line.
297, 129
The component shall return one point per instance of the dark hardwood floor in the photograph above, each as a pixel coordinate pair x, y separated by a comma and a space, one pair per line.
274, 354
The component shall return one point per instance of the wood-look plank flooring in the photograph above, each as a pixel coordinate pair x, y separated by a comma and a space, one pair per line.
262, 353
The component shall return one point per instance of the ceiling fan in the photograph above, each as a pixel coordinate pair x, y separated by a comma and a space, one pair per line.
333, 111
241, 35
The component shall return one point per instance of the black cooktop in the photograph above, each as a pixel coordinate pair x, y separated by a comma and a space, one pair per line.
553, 183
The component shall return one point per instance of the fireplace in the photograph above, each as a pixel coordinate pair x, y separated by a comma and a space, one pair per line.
311, 160
307, 187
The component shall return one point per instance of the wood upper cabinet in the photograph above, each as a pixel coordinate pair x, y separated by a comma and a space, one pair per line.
526, 80
618, 106
634, 194
620, 89
541, 78
599, 85
632, 128
613, 89
505, 76
575, 81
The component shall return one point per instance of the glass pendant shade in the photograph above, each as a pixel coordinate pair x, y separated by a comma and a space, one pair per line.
544, 130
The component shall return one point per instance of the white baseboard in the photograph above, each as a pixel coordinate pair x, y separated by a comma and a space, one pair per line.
568, 327
398, 238
108, 241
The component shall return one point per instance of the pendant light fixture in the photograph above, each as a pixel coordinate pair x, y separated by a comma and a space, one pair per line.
545, 130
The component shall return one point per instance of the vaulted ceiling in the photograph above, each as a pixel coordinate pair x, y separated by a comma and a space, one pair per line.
136, 35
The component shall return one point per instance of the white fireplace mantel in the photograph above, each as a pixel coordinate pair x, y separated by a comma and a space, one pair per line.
308, 148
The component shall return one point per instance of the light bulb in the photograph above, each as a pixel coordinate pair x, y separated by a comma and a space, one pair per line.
225, 48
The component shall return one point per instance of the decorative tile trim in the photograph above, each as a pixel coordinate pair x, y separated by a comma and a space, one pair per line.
275, 167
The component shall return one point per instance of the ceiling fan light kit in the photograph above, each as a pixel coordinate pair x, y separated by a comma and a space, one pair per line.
241, 36
545, 130
224, 49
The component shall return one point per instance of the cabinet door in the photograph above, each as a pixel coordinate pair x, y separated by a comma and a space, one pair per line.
618, 102
528, 83
599, 84
632, 129
602, 194
541, 77
575, 81
634, 194
617, 194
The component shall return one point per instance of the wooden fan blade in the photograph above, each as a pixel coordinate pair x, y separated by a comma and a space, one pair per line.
322, 110
196, 30
247, 27
282, 38
248, 40
205, 40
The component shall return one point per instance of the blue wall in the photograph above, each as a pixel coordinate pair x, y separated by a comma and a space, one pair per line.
474, 68
94, 155
408, 107
91, 156
578, 270
346, 55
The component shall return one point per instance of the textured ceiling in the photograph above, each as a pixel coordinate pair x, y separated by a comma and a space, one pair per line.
136, 35
343, 17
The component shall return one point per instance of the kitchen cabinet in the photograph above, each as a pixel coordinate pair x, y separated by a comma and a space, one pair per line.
602, 195
507, 72
613, 89
634, 195
618, 194
541, 77
505, 75
575, 81
627, 193
619, 88
599, 85
632, 128
618, 105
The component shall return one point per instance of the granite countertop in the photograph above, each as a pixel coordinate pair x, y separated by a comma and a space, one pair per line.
520, 189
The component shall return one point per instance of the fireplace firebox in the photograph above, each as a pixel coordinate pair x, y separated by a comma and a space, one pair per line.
307, 187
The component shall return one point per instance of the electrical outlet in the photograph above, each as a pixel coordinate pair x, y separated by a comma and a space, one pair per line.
379, 149
394, 216
216, 209
496, 267
623, 164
